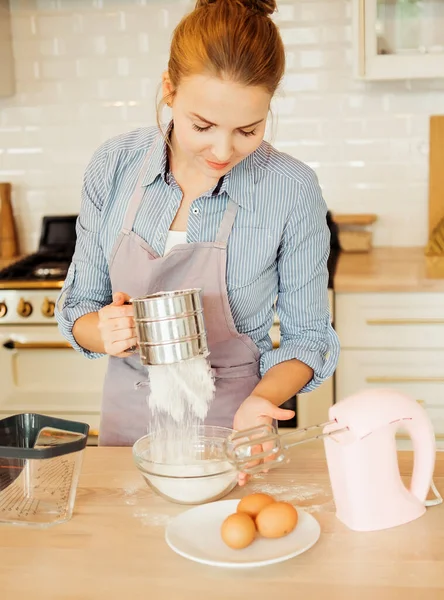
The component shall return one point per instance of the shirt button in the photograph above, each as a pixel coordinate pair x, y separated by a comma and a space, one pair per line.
195, 211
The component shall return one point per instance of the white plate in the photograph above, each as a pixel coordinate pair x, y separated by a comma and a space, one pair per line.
195, 534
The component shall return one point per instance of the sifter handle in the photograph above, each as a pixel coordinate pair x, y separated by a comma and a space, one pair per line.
131, 349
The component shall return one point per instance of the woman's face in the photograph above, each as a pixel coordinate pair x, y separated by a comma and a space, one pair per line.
217, 123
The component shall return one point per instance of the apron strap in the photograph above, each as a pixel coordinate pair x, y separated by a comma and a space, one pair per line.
138, 193
226, 224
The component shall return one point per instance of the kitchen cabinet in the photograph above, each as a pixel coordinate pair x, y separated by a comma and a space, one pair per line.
393, 340
7, 76
398, 39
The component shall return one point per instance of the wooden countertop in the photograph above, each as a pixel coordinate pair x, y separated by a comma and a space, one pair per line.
5, 262
114, 546
389, 270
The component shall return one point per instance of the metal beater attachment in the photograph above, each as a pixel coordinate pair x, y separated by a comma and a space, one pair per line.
261, 448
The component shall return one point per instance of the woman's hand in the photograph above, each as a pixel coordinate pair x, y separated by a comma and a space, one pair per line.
116, 326
255, 411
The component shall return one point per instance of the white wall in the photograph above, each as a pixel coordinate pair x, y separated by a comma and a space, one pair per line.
88, 69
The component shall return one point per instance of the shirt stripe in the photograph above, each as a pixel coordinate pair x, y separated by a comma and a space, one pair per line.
278, 247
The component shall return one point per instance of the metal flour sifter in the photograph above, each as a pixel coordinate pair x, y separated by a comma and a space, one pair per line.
172, 344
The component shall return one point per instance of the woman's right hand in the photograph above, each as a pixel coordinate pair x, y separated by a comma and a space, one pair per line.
117, 327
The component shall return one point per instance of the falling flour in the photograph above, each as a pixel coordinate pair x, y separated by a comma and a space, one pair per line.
181, 388
181, 467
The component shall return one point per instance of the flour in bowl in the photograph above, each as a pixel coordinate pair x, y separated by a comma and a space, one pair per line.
195, 483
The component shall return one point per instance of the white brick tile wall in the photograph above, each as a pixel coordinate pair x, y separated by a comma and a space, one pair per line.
90, 69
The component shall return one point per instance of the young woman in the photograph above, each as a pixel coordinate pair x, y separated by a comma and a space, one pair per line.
206, 203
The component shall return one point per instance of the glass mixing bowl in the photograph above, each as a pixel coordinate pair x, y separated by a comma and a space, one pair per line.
187, 470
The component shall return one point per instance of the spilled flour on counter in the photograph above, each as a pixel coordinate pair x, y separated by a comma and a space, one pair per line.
318, 508
304, 496
130, 495
147, 518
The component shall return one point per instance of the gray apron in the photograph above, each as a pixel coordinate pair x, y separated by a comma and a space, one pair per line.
137, 270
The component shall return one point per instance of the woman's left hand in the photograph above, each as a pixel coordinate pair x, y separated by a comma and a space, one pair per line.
255, 411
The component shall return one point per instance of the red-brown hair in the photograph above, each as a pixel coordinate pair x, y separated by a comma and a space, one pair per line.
229, 39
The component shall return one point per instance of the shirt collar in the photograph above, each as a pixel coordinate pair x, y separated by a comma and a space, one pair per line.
237, 183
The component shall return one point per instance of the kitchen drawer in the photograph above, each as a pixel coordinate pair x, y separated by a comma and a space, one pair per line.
416, 373
386, 320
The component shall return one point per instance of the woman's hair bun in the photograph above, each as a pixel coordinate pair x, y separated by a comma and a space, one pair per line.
264, 7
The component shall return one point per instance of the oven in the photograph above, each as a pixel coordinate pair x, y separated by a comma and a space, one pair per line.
39, 371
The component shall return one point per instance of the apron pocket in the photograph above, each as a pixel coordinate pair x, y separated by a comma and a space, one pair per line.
237, 372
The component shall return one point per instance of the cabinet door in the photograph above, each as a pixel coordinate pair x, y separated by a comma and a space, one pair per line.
390, 320
399, 39
38, 374
313, 407
416, 373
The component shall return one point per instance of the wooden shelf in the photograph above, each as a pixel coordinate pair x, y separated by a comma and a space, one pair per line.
354, 219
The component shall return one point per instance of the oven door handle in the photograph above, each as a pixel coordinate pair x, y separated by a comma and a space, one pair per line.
15, 345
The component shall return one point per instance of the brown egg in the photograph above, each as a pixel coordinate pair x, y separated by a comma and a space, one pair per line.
276, 520
238, 531
254, 503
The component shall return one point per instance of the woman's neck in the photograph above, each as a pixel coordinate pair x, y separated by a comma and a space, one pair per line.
185, 173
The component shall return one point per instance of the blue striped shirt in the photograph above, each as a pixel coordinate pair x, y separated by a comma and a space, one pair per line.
278, 247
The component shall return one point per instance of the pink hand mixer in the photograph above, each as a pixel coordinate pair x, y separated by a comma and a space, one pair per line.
360, 447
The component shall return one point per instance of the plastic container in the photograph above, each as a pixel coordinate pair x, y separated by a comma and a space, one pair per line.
40, 463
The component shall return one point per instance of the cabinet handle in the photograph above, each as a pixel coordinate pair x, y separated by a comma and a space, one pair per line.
401, 379
14, 345
405, 321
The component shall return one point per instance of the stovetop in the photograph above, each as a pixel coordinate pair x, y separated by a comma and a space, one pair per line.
38, 267
46, 268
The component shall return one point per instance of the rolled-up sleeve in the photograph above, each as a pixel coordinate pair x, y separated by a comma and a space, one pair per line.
302, 304
87, 287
